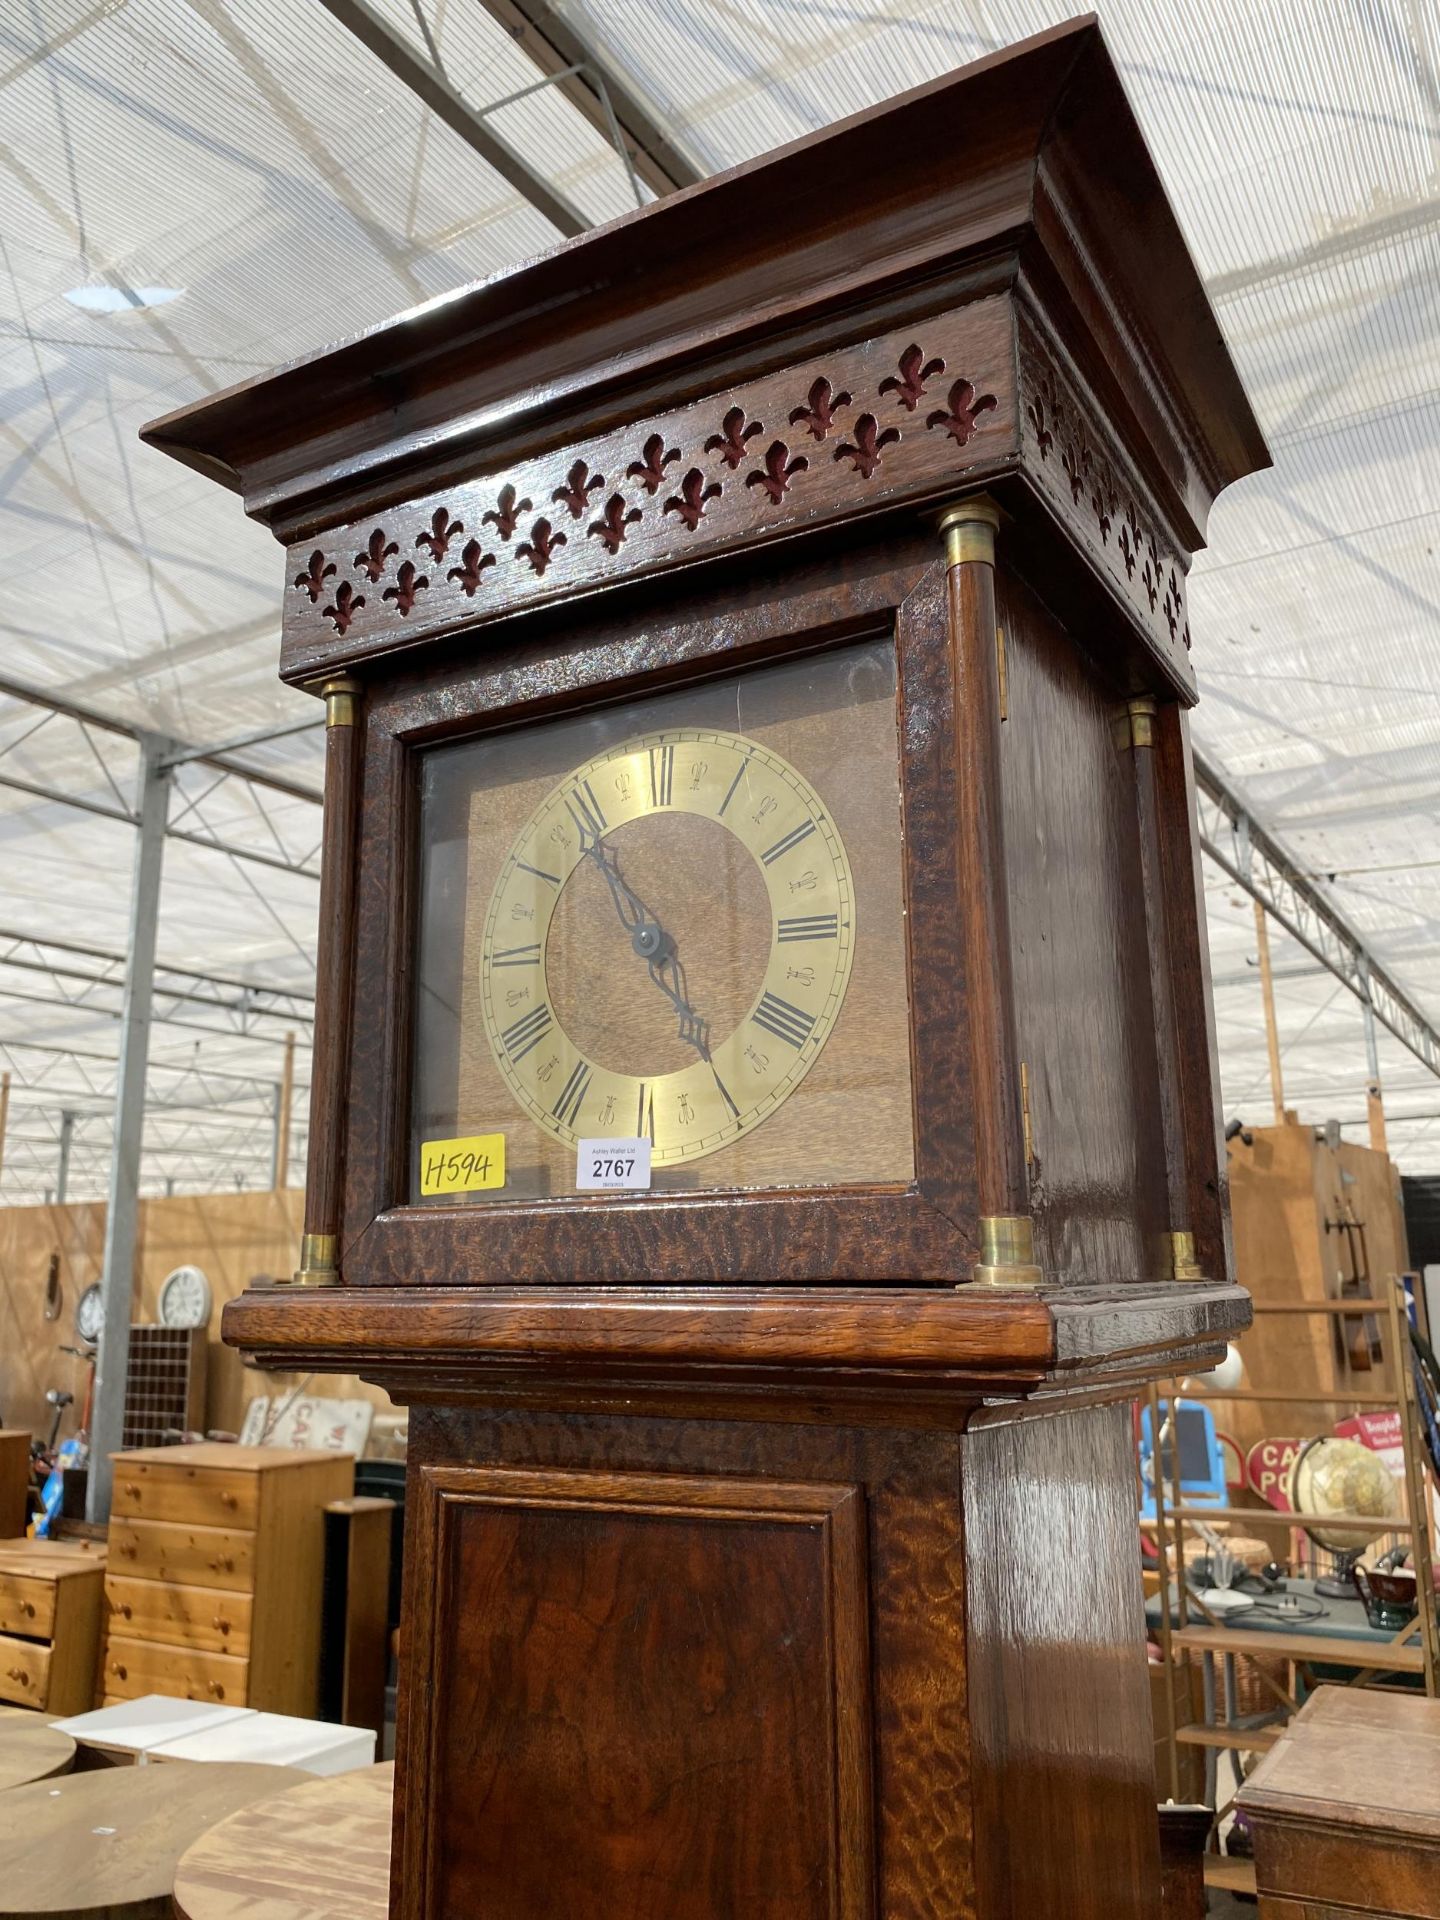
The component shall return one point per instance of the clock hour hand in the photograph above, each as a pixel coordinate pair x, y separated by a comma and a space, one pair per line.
649, 939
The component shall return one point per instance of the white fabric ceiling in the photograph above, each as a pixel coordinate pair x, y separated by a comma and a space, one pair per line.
251, 158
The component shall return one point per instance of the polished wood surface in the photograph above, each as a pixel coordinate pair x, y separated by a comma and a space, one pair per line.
1052, 1598
105, 1845
31, 1749
1001, 1183
1346, 1806
644, 1774
1096, 1174
320, 1851
334, 976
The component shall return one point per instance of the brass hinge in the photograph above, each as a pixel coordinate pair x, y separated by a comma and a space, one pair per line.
1001, 673
1025, 1113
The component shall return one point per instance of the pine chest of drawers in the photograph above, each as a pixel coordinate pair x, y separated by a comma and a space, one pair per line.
214, 1581
50, 1612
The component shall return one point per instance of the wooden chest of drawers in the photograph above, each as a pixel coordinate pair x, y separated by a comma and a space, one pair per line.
50, 1612
214, 1583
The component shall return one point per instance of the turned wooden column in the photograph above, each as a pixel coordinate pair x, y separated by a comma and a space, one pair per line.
1007, 1255
334, 963
1135, 734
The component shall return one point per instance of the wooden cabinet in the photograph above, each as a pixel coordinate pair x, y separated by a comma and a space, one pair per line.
1346, 1806
216, 1562
50, 1615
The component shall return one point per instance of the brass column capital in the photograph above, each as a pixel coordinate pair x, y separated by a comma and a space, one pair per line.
340, 696
969, 528
1134, 724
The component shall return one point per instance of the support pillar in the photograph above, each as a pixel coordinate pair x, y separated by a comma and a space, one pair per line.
67, 1135
117, 1279
1272, 1031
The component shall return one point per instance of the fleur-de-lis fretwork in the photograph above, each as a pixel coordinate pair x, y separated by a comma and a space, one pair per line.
964, 410
541, 544
1185, 637
1172, 604
377, 551
1102, 504
729, 442
346, 605
580, 483
778, 471
315, 575
1151, 573
472, 564
1128, 552
1075, 460
864, 452
909, 387
442, 531
505, 516
822, 403
408, 583
1044, 438
611, 525
689, 503
649, 469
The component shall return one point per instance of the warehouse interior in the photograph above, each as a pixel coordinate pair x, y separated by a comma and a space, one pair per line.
199, 192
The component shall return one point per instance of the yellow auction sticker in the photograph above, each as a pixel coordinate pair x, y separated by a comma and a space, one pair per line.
462, 1166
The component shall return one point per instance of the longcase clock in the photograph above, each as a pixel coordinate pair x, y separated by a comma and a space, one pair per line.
763, 1099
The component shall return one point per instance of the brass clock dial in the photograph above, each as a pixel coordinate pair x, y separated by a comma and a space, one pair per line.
611, 1006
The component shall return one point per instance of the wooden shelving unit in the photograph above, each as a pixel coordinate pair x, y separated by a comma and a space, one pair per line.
1412, 1651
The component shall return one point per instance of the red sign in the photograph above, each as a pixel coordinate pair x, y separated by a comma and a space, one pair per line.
1268, 1464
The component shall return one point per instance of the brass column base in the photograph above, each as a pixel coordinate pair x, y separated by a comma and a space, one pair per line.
318, 1267
1007, 1252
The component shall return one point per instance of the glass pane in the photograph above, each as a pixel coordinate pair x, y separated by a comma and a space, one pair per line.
680, 919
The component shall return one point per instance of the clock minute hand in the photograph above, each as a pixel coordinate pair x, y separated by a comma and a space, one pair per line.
650, 940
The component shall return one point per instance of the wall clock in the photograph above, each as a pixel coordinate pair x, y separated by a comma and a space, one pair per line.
90, 1314
185, 1298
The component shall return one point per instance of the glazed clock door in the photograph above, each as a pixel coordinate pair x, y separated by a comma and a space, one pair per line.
678, 920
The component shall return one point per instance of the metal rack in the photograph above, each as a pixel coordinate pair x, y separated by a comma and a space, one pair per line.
1374, 1663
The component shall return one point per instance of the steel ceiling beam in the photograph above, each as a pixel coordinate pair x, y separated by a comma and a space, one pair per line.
56, 796
596, 90
1346, 243
433, 90
176, 750
1255, 861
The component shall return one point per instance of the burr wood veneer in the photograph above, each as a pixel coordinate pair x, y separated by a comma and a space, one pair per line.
771, 1532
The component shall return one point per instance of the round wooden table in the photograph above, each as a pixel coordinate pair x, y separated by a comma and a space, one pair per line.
318, 1852
30, 1750
107, 1843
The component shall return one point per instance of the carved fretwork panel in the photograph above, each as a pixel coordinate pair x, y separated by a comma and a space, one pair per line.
1076, 462
905, 416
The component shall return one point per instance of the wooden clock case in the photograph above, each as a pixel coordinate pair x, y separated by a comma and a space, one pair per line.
774, 1553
